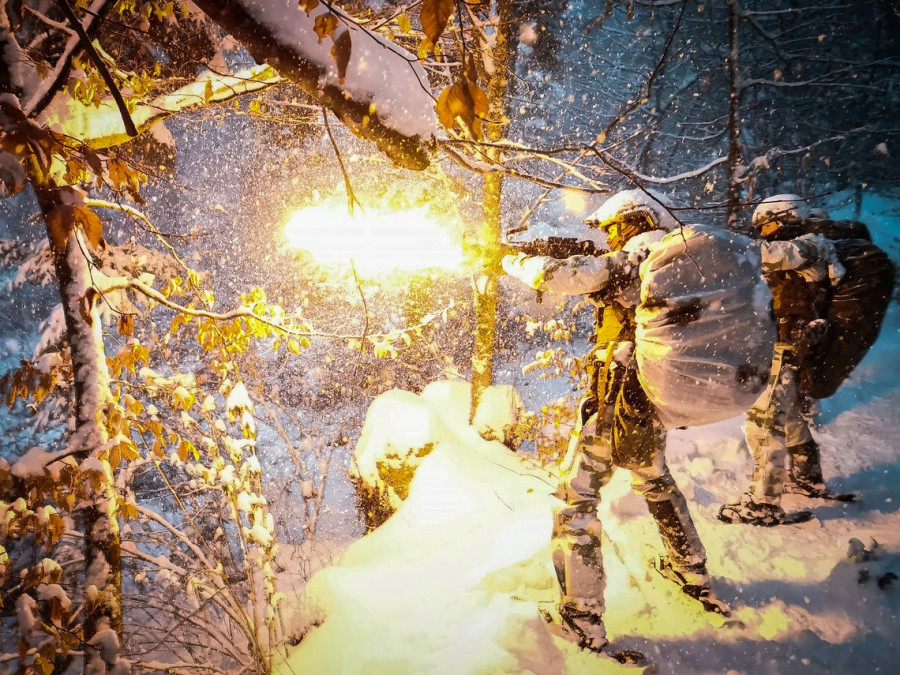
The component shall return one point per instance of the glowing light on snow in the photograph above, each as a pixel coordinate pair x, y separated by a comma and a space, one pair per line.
377, 242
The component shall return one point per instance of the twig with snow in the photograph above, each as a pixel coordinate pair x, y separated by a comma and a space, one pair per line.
101, 67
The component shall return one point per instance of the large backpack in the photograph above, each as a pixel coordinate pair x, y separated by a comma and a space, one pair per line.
705, 329
837, 229
854, 309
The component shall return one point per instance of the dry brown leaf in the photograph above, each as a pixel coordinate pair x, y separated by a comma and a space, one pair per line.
125, 324
60, 223
479, 99
471, 69
434, 16
455, 101
91, 224
465, 101
308, 5
325, 25
340, 52
63, 219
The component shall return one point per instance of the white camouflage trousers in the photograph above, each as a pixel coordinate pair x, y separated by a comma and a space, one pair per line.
773, 426
626, 433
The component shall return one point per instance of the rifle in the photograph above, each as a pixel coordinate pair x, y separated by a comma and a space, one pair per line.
556, 247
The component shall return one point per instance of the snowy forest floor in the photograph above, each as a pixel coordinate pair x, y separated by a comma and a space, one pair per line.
453, 582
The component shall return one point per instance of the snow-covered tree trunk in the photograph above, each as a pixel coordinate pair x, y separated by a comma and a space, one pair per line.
487, 280
383, 93
103, 622
734, 117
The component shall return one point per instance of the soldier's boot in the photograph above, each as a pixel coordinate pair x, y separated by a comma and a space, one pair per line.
694, 581
587, 629
806, 471
749, 512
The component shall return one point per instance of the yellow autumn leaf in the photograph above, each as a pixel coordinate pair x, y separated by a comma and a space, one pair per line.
183, 398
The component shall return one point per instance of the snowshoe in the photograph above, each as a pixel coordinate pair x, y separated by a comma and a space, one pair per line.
694, 583
749, 512
818, 491
577, 627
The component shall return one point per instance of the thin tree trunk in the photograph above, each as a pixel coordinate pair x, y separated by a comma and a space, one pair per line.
734, 117
486, 281
91, 394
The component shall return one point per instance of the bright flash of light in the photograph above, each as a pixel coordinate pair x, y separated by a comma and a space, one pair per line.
377, 242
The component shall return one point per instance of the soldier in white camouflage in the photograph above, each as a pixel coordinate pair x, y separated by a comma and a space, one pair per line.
798, 268
617, 424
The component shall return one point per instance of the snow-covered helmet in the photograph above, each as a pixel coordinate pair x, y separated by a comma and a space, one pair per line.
780, 216
632, 212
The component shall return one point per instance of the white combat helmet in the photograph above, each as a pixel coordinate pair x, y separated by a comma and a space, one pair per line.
622, 204
786, 209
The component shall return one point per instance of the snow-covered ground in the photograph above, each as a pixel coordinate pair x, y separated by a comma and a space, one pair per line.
453, 582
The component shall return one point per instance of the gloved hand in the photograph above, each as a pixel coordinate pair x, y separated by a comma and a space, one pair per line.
512, 261
816, 331
525, 268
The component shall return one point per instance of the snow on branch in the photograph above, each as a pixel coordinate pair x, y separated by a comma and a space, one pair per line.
100, 66
109, 284
101, 127
570, 168
825, 80
699, 171
377, 89
41, 95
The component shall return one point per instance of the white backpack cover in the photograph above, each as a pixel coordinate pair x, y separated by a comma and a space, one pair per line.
705, 328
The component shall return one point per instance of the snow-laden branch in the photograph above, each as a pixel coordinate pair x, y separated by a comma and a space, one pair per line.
102, 127
793, 10
109, 284
135, 213
825, 80
632, 173
762, 161
549, 155
217, 584
383, 96
100, 66
486, 168
40, 96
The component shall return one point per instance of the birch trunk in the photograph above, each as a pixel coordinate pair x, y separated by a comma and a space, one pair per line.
90, 395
